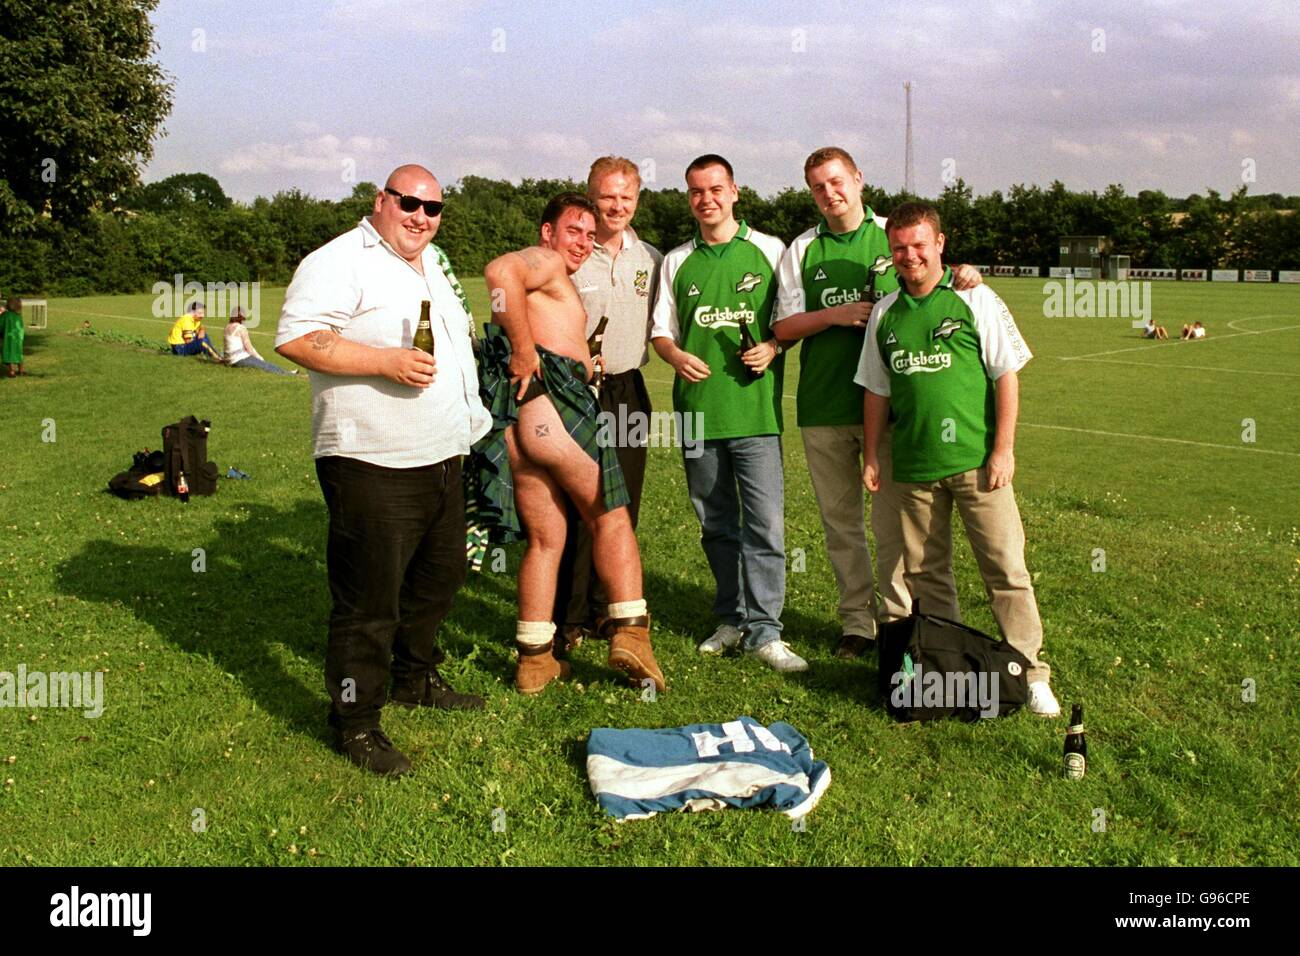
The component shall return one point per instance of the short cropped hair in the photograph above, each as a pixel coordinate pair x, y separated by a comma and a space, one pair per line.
611, 164
710, 159
913, 214
819, 157
556, 207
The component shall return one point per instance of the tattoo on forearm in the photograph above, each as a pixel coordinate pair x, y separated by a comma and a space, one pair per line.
325, 342
542, 431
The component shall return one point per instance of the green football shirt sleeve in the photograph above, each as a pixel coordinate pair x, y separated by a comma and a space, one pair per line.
1002, 348
872, 373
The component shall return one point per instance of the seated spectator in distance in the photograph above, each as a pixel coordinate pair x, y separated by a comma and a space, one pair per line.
188, 337
239, 347
11, 337
1198, 331
1153, 331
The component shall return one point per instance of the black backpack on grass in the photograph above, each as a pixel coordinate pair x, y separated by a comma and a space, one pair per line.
975, 672
185, 448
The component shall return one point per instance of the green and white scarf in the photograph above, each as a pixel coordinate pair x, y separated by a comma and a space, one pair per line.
445, 265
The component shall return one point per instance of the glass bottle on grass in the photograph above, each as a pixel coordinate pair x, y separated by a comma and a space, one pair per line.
1076, 746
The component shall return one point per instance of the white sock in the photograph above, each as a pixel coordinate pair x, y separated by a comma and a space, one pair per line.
534, 633
627, 609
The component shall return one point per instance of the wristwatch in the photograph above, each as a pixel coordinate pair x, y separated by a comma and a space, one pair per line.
779, 347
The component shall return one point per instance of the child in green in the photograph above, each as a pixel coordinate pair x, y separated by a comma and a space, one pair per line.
11, 327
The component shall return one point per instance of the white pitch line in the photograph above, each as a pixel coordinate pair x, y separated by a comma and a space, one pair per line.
1093, 431
1250, 318
1199, 368
785, 395
1175, 441
135, 318
1217, 338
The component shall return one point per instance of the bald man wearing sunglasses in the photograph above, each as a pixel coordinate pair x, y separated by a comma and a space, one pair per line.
389, 427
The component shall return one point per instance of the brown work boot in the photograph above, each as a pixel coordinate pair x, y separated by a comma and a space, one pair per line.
629, 649
537, 668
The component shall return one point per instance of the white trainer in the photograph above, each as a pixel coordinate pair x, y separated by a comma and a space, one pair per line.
778, 656
723, 638
1042, 701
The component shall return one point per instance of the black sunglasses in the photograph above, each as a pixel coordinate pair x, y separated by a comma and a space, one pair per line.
432, 207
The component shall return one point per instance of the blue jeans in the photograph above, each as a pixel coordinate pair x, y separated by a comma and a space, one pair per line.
192, 347
262, 364
737, 487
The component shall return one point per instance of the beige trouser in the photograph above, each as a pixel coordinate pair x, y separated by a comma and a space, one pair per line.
996, 537
834, 454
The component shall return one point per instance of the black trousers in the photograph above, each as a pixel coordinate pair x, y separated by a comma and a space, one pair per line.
396, 557
579, 594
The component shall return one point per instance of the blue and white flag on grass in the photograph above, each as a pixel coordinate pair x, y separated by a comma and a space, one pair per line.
635, 774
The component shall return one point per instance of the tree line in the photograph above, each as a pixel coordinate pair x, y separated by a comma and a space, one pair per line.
186, 224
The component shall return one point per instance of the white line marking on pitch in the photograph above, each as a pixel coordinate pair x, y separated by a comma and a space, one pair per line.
135, 318
1250, 318
1216, 338
785, 395
1199, 368
1176, 441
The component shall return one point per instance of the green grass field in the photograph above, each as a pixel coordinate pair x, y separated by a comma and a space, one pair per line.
213, 680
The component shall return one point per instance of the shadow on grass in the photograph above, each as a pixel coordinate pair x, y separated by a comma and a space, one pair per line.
687, 608
33, 344
264, 588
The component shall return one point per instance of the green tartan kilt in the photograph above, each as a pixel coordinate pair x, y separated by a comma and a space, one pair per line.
490, 510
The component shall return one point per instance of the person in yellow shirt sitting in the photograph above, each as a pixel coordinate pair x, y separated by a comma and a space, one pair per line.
188, 337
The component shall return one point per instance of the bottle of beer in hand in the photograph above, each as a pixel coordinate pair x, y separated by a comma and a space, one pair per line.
1076, 746
424, 331
747, 342
594, 345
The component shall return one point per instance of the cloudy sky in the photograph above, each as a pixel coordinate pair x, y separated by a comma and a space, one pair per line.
1178, 95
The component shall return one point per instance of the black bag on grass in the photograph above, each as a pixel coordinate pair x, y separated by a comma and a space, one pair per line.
931, 667
144, 479
185, 448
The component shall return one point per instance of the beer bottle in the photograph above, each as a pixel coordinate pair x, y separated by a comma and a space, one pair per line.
1076, 747
183, 488
594, 345
747, 342
424, 331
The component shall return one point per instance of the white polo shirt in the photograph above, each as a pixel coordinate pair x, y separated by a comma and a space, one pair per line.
623, 288
358, 286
